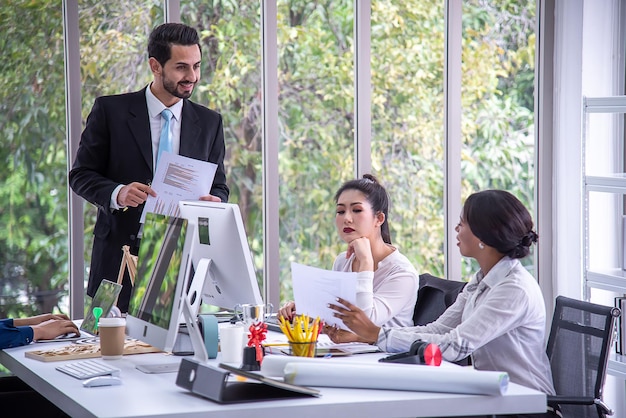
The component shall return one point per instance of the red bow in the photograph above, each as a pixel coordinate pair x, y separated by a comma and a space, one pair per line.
256, 337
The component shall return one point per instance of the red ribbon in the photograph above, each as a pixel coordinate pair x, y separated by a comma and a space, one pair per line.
256, 337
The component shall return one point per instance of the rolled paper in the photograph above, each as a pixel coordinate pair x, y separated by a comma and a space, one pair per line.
274, 365
398, 377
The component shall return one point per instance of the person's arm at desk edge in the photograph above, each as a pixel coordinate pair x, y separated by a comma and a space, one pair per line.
22, 331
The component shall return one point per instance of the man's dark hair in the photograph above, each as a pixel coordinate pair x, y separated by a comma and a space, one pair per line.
164, 36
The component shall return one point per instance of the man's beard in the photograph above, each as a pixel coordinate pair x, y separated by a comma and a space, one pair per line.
172, 88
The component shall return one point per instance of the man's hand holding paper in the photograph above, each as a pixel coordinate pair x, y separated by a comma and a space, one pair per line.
315, 288
179, 178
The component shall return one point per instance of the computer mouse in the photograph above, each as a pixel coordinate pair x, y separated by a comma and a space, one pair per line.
102, 381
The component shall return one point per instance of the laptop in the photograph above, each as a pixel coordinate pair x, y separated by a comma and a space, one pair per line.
105, 297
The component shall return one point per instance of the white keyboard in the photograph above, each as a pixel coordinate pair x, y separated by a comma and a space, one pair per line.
86, 369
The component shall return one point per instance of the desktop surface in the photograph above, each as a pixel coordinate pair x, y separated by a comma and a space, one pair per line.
145, 395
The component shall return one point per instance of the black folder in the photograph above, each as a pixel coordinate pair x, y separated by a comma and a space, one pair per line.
213, 383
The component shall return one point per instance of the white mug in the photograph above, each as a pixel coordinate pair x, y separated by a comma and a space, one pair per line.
232, 343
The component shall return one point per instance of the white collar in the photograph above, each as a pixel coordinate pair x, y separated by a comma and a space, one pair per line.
155, 106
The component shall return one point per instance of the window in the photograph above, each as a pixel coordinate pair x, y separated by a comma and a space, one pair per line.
33, 192
498, 101
316, 116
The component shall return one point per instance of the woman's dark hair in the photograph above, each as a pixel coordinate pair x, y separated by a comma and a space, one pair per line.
375, 194
500, 220
163, 36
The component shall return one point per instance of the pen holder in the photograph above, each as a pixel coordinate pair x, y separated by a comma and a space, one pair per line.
303, 349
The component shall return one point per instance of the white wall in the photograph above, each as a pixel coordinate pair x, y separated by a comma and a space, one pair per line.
589, 61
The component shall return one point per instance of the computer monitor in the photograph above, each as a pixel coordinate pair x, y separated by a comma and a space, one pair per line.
155, 303
217, 235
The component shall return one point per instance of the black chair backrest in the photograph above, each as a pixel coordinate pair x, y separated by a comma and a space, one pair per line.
578, 349
434, 296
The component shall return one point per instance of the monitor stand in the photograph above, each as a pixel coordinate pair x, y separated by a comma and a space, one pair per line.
190, 304
195, 291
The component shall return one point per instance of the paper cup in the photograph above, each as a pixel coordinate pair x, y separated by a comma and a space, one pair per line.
231, 344
112, 333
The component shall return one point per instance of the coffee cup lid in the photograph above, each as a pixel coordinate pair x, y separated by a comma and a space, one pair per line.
111, 322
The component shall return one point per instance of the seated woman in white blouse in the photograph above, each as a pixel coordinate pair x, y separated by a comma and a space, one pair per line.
499, 318
387, 282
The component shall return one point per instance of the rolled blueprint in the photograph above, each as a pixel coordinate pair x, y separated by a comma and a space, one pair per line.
398, 377
274, 366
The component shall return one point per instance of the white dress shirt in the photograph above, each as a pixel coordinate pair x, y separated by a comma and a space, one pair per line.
499, 319
387, 295
155, 107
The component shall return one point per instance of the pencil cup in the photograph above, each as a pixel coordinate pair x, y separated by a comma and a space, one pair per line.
303, 349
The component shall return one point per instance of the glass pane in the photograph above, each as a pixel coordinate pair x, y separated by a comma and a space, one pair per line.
231, 84
316, 105
114, 60
33, 192
498, 149
407, 124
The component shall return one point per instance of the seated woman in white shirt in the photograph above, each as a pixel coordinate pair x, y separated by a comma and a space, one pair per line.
387, 282
499, 318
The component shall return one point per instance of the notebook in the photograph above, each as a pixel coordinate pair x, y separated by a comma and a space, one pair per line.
105, 297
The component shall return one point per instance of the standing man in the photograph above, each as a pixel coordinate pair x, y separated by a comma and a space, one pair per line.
119, 148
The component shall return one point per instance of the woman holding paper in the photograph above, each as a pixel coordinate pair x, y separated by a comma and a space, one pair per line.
387, 282
499, 318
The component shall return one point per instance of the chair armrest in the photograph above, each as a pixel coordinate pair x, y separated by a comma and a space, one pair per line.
570, 400
554, 400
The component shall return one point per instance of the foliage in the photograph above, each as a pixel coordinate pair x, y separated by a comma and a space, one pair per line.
316, 117
33, 237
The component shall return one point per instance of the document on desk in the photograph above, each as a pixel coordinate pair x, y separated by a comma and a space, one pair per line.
178, 178
315, 288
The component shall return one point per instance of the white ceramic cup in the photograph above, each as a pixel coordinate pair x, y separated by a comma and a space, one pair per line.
112, 332
231, 344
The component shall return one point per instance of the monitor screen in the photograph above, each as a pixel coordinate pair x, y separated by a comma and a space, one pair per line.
154, 310
216, 233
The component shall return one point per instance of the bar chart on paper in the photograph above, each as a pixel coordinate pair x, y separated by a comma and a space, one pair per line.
178, 178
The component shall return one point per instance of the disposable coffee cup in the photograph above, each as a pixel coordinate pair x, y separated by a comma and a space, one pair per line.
112, 333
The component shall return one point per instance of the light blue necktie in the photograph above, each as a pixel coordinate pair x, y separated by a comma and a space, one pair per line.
165, 141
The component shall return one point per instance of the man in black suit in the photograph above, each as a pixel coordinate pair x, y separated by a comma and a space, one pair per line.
118, 149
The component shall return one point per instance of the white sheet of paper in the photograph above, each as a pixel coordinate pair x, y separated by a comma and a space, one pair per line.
315, 288
178, 178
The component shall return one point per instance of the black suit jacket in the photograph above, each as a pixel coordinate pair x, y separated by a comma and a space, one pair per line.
116, 148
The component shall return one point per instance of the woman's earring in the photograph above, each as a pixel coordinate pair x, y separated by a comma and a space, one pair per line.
481, 245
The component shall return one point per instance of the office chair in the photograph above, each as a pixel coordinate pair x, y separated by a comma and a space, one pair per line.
434, 296
578, 349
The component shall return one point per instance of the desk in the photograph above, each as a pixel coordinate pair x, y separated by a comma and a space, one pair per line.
156, 395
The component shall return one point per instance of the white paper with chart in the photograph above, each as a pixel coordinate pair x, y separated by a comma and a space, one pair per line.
315, 288
178, 178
